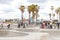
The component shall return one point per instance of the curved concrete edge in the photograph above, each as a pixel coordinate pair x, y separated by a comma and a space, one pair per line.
31, 36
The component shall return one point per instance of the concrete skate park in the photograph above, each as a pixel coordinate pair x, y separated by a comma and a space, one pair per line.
29, 33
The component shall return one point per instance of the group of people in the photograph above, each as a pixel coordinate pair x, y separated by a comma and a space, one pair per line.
18, 26
8, 26
46, 25
49, 25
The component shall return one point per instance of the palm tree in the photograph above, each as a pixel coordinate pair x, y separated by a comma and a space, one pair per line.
32, 9
29, 10
22, 11
58, 12
52, 8
37, 9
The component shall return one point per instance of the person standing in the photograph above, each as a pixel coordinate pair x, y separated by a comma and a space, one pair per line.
18, 25
24, 26
51, 25
43, 25
1, 25
46, 25
58, 25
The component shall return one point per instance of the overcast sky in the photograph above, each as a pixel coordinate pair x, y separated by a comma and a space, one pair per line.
9, 8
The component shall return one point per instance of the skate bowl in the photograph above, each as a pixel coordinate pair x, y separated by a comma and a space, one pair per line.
37, 34
17, 35
54, 34
5, 33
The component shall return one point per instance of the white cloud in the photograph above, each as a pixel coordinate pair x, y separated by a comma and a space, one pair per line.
47, 6
10, 10
5, 1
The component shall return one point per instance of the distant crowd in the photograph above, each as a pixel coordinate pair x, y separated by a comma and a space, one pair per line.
18, 26
43, 25
49, 25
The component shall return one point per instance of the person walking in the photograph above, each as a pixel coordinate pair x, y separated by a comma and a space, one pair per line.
8, 25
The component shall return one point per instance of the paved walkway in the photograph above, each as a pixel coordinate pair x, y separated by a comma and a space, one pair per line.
54, 33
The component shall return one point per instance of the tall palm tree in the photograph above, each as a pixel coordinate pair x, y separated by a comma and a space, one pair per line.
33, 11
58, 12
29, 10
22, 7
37, 10
52, 8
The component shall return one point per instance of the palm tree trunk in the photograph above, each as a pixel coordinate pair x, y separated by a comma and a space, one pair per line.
59, 17
33, 17
36, 18
22, 18
29, 18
